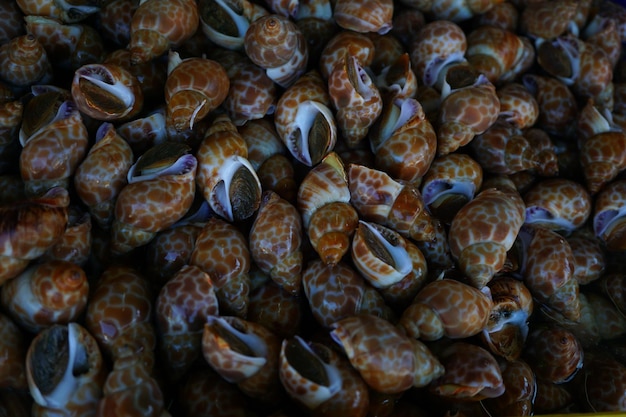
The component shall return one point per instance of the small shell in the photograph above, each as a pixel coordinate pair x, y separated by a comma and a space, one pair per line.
520, 390
388, 361
304, 120
273, 307
53, 361
396, 78
12, 354
518, 106
252, 94
472, 373
380, 199
324, 203
225, 177
221, 251
558, 109
75, 244
144, 132
589, 258
66, 12
159, 25
447, 308
345, 43
106, 92
557, 204
483, 231
548, 20
29, 228
115, 17
603, 157
182, 307
225, 22
102, 174
608, 219
604, 383
368, 16
554, 353
275, 241
190, 94
23, 61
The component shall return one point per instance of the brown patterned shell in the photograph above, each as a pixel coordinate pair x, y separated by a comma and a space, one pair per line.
271, 40
364, 16
23, 61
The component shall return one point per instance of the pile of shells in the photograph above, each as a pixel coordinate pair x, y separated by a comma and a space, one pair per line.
312, 207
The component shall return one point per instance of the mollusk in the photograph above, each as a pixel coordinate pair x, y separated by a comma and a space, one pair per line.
275, 241
554, 353
304, 120
380, 199
159, 25
74, 245
520, 390
165, 170
388, 361
68, 12
344, 43
53, 292
603, 157
65, 371
368, 16
327, 215
226, 178
106, 92
252, 94
608, 219
225, 22
484, 230
518, 106
24, 61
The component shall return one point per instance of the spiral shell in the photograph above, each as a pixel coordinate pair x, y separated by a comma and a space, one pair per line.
602, 157
517, 105
345, 43
226, 22
367, 16
557, 350
557, 105
189, 94
252, 94
159, 25
24, 61
106, 92
608, 219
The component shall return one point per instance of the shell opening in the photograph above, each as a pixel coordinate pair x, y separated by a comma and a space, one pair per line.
238, 195
435, 68
560, 58
49, 108
224, 19
315, 135
607, 219
238, 341
398, 114
101, 91
504, 317
437, 189
359, 78
306, 362
167, 158
387, 248
57, 361
541, 215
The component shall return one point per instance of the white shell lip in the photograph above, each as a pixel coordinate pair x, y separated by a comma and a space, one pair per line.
306, 113
101, 76
220, 200
440, 188
183, 165
226, 41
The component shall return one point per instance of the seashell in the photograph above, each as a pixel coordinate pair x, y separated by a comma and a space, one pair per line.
106, 92
225, 176
221, 251
603, 383
66, 12
437, 251
225, 22
447, 308
322, 380
129, 389
24, 62
557, 105
610, 321
388, 361
507, 329
558, 204
483, 231
68, 46
380, 199
547, 267
244, 353
609, 208
437, 46
205, 392
603, 32
546, 152
12, 19
543, 20
275, 241
182, 307
56, 144
344, 43
304, 121
589, 257
75, 244
396, 78
12, 353
471, 374
29, 228
498, 53
276, 44
144, 132
276, 309
403, 140
594, 119
407, 21
459, 121
339, 282
551, 397
160, 25
520, 390
364, 17
387, 50
502, 149
451, 181
151, 75
10, 121
119, 315
503, 15
389, 262
324, 202
114, 18
517, 105
65, 371
603, 157
165, 171
458, 11
554, 354
102, 174
612, 286
189, 94
252, 94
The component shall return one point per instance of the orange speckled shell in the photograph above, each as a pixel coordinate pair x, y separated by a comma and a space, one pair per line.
602, 157
23, 61
193, 89
364, 16
346, 43
541, 19
159, 25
